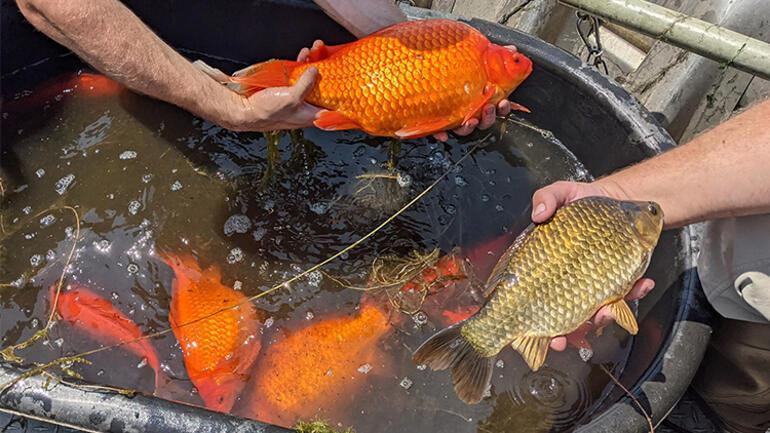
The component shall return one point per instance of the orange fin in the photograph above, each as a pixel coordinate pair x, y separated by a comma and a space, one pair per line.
422, 128
489, 91
273, 73
323, 52
329, 120
518, 107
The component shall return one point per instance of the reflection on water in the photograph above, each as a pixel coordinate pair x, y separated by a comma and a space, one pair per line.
145, 176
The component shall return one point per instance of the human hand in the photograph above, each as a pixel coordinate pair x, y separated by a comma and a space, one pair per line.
545, 201
488, 114
274, 108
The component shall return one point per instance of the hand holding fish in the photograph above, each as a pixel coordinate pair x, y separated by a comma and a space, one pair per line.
545, 201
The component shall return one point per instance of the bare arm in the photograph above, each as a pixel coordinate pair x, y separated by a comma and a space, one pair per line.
362, 17
113, 40
721, 173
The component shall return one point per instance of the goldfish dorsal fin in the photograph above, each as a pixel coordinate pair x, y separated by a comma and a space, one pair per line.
321, 52
532, 349
423, 128
273, 73
329, 120
476, 108
624, 317
518, 107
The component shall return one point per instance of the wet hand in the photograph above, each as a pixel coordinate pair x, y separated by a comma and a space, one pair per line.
545, 201
275, 108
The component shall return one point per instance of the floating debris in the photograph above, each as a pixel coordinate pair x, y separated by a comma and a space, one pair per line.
133, 207
128, 154
366, 368
40, 172
406, 383
47, 220
64, 183
238, 223
176, 186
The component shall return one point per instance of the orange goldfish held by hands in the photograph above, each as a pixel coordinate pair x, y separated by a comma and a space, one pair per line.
219, 349
408, 80
316, 367
98, 318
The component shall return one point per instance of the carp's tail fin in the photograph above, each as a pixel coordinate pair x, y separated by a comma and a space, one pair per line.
471, 371
272, 73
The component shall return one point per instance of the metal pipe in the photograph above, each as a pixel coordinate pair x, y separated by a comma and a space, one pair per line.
115, 413
709, 40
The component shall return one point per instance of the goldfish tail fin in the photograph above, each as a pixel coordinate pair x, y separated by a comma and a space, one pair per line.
471, 371
272, 73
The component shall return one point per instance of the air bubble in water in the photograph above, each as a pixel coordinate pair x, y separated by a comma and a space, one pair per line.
406, 383
40, 172
36, 260
365, 368
103, 246
585, 353
132, 268
133, 207
142, 363
309, 315
500, 363
147, 178
235, 256
237, 224
237, 285
403, 179
176, 186
499, 207
64, 183
420, 318
47, 220
50, 255
59, 342
269, 322
129, 154
460, 181
421, 367
314, 278
114, 296
450, 209
329, 372
484, 197
29, 236
318, 208
27, 210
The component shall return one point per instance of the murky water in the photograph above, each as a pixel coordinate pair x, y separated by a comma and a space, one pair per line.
145, 176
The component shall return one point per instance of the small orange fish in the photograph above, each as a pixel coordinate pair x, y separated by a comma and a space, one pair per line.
408, 80
83, 83
316, 367
447, 268
98, 318
220, 350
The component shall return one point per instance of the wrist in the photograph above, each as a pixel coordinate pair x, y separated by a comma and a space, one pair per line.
613, 188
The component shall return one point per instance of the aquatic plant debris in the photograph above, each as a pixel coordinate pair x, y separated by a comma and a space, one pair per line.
8, 353
319, 427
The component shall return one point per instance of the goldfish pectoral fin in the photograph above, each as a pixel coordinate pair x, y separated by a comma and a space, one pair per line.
212, 72
471, 371
422, 128
624, 316
329, 120
532, 349
518, 107
476, 108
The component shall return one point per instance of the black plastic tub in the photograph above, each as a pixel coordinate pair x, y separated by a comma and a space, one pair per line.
596, 119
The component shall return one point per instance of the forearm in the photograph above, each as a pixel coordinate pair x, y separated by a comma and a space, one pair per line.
113, 40
362, 17
721, 173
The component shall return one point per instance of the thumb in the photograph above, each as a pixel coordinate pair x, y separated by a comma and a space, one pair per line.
546, 200
304, 85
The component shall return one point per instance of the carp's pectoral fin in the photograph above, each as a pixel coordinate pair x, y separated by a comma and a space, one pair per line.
532, 349
476, 108
422, 128
518, 107
624, 316
329, 120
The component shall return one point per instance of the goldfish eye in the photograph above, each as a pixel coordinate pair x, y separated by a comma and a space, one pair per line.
653, 210
516, 59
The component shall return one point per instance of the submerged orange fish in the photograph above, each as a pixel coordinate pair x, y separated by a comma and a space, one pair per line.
408, 80
97, 317
219, 350
316, 367
446, 269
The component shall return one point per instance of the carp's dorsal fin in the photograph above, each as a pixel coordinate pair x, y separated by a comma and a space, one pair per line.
532, 349
500, 270
330, 120
422, 128
624, 317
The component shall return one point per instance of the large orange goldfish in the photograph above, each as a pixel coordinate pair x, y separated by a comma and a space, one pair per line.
218, 350
408, 80
316, 367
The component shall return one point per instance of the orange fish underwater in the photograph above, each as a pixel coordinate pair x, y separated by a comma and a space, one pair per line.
408, 80
218, 351
446, 269
98, 318
316, 367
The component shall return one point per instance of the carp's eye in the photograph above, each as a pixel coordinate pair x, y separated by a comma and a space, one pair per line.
653, 210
